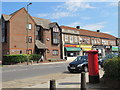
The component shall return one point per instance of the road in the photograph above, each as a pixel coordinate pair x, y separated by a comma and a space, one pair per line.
21, 72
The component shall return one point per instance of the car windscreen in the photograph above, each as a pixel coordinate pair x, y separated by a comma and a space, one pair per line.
81, 58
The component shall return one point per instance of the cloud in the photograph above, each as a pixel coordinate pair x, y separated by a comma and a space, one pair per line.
56, 15
113, 4
74, 24
96, 26
42, 15
107, 32
74, 6
67, 9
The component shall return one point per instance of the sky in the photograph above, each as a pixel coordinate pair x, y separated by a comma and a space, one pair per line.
92, 16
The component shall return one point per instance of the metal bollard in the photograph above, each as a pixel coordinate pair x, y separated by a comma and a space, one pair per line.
83, 81
52, 85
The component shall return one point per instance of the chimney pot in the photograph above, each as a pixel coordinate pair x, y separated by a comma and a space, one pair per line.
78, 27
98, 30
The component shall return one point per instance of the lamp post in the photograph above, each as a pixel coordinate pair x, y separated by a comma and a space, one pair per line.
27, 33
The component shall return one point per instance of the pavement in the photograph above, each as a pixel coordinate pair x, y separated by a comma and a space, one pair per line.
62, 80
71, 82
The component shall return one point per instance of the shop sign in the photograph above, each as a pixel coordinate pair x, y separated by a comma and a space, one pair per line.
114, 48
68, 45
86, 47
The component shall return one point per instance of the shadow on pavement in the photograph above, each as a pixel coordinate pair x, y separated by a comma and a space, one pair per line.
69, 83
67, 72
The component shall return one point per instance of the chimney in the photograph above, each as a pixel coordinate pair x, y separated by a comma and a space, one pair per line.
98, 30
78, 27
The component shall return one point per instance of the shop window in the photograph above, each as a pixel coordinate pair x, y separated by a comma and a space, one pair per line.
55, 52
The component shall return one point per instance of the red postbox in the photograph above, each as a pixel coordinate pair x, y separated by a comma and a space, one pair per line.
93, 66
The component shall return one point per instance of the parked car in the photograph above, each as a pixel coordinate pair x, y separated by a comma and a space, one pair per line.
107, 57
79, 64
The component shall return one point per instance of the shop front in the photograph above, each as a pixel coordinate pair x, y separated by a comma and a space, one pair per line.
71, 51
115, 49
108, 49
85, 48
101, 50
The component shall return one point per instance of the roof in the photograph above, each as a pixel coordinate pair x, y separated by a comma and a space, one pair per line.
39, 21
90, 33
42, 22
6, 17
40, 45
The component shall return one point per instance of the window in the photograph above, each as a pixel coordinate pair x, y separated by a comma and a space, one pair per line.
55, 29
20, 51
55, 38
55, 52
29, 39
75, 37
29, 51
71, 39
29, 26
66, 37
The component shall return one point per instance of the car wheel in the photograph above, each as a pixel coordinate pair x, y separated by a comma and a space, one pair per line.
85, 69
71, 71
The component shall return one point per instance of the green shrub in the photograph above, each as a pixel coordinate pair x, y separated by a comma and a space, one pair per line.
34, 57
13, 59
112, 68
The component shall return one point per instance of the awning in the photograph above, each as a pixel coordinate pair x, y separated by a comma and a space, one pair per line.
86, 47
40, 45
72, 49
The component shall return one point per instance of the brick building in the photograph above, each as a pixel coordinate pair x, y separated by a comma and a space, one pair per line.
24, 34
16, 35
86, 40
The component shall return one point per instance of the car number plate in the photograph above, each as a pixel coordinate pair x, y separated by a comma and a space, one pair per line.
72, 67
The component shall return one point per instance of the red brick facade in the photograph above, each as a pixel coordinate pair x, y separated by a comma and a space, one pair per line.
17, 34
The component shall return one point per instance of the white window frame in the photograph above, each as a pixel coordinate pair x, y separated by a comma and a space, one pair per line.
66, 37
29, 26
71, 39
75, 38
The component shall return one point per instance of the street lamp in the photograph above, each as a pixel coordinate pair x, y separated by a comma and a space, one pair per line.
27, 33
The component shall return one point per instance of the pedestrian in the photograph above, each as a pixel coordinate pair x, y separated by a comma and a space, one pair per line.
42, 58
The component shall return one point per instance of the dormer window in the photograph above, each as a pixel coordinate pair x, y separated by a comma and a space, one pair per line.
55, 35
55, 29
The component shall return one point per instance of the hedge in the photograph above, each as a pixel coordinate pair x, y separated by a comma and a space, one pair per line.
34, 57
112, 68
13, 59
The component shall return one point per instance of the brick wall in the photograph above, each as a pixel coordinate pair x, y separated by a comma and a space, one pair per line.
48, 42
17, 33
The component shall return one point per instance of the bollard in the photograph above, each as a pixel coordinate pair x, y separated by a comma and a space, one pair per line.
83, 81
52, 85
